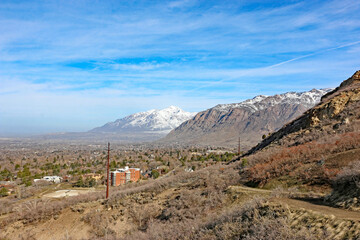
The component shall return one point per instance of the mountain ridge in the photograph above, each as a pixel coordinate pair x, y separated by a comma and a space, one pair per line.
250, 119
307, 98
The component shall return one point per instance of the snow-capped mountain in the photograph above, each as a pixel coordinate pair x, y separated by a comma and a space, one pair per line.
223, 124
150, 121
307, 99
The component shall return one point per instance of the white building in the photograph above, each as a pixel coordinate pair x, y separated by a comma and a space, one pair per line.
54, 179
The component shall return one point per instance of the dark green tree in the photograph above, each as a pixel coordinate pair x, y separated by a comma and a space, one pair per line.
79, 182
155, 174
3, 192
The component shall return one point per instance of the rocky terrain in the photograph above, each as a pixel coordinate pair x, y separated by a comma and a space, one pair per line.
223, 124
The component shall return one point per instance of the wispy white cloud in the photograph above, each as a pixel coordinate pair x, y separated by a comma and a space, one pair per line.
181, 3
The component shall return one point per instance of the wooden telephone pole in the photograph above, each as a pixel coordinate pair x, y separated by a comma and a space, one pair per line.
239, 147
108, 172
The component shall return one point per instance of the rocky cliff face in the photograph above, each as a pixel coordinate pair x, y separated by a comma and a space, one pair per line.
223, 124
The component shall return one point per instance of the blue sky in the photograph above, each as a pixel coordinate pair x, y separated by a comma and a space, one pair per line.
75, 65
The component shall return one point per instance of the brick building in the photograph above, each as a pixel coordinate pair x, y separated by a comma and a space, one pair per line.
124, 175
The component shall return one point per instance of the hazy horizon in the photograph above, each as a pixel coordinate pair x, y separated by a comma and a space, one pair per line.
75, 65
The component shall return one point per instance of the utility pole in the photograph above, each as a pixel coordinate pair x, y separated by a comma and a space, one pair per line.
108, 172
239, 147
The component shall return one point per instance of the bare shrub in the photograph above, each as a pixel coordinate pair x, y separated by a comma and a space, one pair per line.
142, 215
6, 205
166, 231
100, 224
31, 210
41, 183
349, 175
274, 229
255, 220
25, 192
346, 187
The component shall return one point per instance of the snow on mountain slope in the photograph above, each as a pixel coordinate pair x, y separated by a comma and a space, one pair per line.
307, 99
153, 120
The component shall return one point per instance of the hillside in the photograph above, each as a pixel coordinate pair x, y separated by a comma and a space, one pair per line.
315, 150
223, 124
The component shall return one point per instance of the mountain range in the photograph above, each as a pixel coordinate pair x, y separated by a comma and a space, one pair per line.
223, 124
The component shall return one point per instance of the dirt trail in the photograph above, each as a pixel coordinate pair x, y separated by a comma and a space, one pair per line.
249, 189
315, 206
